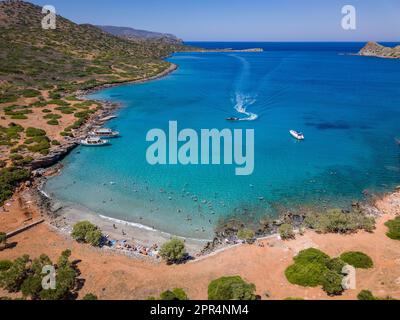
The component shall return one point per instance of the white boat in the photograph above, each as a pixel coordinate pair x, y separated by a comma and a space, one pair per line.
94, 142
297, 135
104, 133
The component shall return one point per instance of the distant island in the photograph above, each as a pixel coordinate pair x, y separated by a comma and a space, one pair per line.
231, 50
373, 49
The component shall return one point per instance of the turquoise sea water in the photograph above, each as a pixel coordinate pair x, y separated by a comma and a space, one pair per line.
347, 106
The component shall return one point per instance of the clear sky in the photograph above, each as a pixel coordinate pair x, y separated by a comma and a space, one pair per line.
241, 20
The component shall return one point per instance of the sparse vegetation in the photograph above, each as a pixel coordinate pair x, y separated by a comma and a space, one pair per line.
9, 180
231, 288
337, 221
173, 251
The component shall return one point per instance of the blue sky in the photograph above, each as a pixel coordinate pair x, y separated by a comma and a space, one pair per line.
241, 20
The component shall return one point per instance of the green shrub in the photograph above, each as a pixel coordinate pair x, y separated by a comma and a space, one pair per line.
34, 132
306, 274
336, 265
332, 283
293, 298
312, 255
365, 295
30, 93
175, 294
5, 265
90, 297
231, 288
173, 251
336, 221
357, 260
87, 232
394, 228
53, 122
55, 143
9, 180
286, 231
246, 234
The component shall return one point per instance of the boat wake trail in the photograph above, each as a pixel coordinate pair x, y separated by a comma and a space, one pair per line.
242, 102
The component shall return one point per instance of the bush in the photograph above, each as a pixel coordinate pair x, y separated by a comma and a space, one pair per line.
30, 93
94, 237
394, 228
5, 265
231, 288
175, 294
312, 268
332, 283
336, 221
90, 297
87, 232
173, 251
306, 274
34, 132
246, 234
357, 260
53, 122
286, 231
336, 264
9, 180
312, 255
365, 295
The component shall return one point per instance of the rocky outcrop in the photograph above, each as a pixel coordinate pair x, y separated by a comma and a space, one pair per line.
373, 49
53, 157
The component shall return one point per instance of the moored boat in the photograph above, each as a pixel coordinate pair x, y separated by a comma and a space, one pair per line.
297, 135
105, 133
94, 142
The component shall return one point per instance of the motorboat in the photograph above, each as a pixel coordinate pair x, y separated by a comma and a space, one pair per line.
232, 119
94, 141
297, 135
104, 133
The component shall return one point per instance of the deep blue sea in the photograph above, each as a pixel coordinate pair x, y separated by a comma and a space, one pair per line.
347, 106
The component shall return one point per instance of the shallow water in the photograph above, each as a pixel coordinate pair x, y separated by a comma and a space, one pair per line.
347, 106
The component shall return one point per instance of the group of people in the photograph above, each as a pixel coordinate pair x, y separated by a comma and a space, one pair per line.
124, 246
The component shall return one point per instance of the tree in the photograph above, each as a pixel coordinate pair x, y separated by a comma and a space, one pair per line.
173, 251
13, 278
231, 288
94, 237
286, 231
87, 232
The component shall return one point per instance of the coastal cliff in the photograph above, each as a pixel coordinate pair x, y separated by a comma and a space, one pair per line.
374, 49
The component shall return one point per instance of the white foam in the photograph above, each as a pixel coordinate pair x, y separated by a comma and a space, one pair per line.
242, 102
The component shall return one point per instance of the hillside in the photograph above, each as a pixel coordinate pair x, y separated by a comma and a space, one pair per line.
136, 34
376, 50
40, 72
